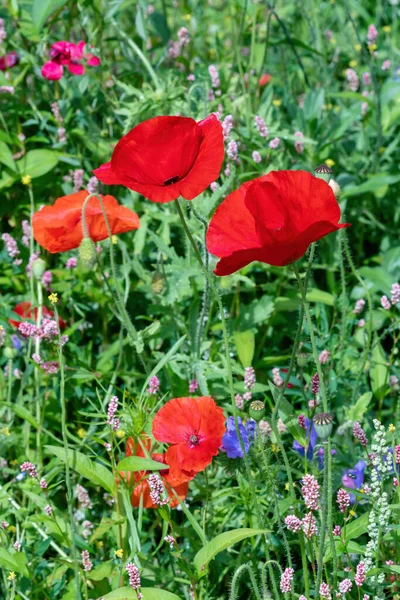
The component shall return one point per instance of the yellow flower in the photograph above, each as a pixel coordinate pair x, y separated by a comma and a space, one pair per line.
26, 179
81, 433
329, 162
187, 17
11, 576
114, 239
392, 428
5, 431
287, 486
119, 553
352, 513
275, 448
387, 28
372, 47
276, 102
353, 64
120, 434
358, 47
53, 298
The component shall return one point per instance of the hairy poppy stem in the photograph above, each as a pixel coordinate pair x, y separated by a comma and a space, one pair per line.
133, 334
327, 488
64, 430
217, 296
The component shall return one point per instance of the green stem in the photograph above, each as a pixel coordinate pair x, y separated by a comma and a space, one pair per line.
370, 320
343, 300
139, 53
322, 533
229, 368
67, 469
31, 244
133, 334
236, 577
37, 380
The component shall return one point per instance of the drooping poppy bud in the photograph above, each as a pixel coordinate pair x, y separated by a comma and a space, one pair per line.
87, 253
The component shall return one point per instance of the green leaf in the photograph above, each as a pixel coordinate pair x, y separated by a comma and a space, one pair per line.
315, 295
357, 527
379, 371
138, 463
219, 543
102, 570
37, 163
245, 345
95, 472
14, 562
6, 156
105, 525
289, 417
159, 23
22, 412
355, 413
371, 185
42, 9
126, 593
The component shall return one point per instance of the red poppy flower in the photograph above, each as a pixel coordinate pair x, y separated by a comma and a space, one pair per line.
142, 489
70, 55
264, 79
194, 427
272, 219
167, 157
58, 228
24, 310
8, 61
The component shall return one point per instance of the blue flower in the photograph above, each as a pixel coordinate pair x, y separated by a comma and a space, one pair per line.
311, 438
354, 478
230, 440
16, 342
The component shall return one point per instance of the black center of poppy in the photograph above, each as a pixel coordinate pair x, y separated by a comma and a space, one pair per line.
194, 440
171, 180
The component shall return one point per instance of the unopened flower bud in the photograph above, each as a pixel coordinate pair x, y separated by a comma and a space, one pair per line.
323, 423
10, 353
38, 268
302, 359
257, 410
87, 253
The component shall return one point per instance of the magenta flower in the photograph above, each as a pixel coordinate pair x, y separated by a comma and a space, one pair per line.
69, 55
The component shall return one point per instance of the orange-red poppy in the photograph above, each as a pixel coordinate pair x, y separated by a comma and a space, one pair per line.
59, 228
141, 491
194, 427
264, 79
25, 311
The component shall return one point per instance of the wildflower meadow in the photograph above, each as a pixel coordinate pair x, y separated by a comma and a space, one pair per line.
199, 300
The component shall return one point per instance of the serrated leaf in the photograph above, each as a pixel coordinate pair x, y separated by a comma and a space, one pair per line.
42, 9
96, 473
219, 543
127, 593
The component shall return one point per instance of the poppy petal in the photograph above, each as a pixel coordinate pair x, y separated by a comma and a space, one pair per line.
208, 163
176, 421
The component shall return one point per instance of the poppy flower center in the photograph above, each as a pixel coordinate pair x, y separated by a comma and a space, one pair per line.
194, 440
171, 180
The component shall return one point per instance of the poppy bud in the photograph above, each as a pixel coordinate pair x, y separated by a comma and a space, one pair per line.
323, 172
10, 353
257, 410
38, 268
336, 189
323, 423
302, 359
87, 253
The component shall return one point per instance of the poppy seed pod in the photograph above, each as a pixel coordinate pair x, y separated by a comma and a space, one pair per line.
302, 359
323, 423
10, 353
323, 172
38, 268
87, 253
257, 410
